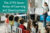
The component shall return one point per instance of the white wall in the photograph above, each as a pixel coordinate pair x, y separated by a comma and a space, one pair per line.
38, 3
49, 4
32, 3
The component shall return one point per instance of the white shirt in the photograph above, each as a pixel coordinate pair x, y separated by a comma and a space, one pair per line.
31, 11
45, 9
33, 30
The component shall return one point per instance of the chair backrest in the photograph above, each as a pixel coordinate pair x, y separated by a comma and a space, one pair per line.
18, 30
48, 19
41, 17
26, 31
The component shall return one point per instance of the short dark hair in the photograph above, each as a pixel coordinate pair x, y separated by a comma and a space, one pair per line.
16, 18
45, 2
22, 21
11, 17
7, 15
34, 24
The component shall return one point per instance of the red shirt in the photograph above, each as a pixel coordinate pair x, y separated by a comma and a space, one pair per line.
22, 27
7, 21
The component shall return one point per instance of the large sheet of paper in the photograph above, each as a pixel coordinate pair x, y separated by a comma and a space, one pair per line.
39, 11
49, 13
3, 18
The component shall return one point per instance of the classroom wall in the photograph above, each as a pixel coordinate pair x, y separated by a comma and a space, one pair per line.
49, 4
38, 3
32, 2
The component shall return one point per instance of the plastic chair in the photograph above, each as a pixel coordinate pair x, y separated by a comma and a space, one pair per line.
48, 19
41, 17
26, 31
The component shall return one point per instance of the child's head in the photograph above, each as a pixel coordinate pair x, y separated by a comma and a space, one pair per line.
16, 18
7, 16
46, 30
34, 24
22, 21
11, 18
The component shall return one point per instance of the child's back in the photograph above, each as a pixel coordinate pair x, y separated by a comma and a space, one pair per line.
7, 19
22, 27
33, 29
16, 24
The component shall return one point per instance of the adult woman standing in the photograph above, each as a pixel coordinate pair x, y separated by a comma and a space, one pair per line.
45, 10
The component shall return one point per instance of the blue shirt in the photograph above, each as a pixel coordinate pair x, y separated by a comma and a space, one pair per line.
16, 24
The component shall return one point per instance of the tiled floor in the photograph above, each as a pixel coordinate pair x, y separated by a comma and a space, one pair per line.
2, 28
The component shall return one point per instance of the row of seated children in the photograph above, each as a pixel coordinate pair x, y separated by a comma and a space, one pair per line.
13, 21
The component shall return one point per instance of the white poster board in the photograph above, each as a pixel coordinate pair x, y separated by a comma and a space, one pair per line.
49, 13
39, 11
3, 18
